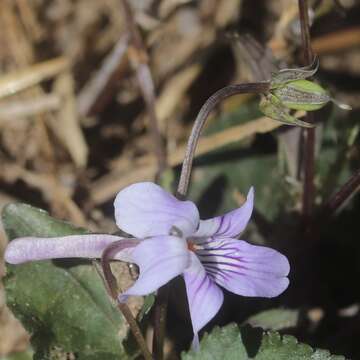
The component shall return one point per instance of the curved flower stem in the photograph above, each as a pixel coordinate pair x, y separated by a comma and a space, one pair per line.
210, 104
106, 257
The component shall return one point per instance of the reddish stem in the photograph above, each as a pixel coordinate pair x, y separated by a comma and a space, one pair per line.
111, 285
309, 141
339, 198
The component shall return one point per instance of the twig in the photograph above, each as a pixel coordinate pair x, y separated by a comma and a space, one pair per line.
95, 93
309, 141
106, 257
139, 59
348, 189
210, 104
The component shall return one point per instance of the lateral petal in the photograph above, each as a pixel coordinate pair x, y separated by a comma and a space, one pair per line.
231, 224
145, 209
160, 259
245, 269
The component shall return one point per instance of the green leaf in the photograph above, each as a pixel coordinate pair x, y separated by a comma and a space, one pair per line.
25, 355
63, 304
274, 319
234, 343
149, 302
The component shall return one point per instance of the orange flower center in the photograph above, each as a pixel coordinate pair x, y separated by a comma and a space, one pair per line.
191, 246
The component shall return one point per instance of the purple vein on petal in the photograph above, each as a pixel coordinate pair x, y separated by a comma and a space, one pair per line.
204, 296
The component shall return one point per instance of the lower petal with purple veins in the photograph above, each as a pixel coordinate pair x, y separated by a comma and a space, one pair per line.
74, 246
245, 269
204, 296
160, 259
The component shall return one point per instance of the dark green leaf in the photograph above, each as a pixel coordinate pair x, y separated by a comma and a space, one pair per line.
63, 304
149, 301
25, 355
234, 343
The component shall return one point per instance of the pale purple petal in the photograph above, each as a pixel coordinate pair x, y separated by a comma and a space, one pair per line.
204, 296
244, 269
160, 259
74, 246
145, 209
232, 224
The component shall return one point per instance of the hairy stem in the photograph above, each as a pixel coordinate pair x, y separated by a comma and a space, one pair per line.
113, 291
309, 141
210, 104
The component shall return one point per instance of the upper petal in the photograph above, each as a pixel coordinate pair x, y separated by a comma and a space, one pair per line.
230, 224
245, 269
160, 259
145, 209
204, 296
74, 246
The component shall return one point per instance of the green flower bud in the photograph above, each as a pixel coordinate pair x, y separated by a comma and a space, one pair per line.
302, 95
289, 90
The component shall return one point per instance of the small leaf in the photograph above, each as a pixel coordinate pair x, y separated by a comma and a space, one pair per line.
274, 319
149, 301
63, 304
302, 95
234, 343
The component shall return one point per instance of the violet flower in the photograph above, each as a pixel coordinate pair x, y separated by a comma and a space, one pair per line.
172, 240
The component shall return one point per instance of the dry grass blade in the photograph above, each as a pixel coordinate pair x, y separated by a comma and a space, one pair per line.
67, 126
57, 194
337, 41
20, 80
28, 107
28, 17
173, 93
